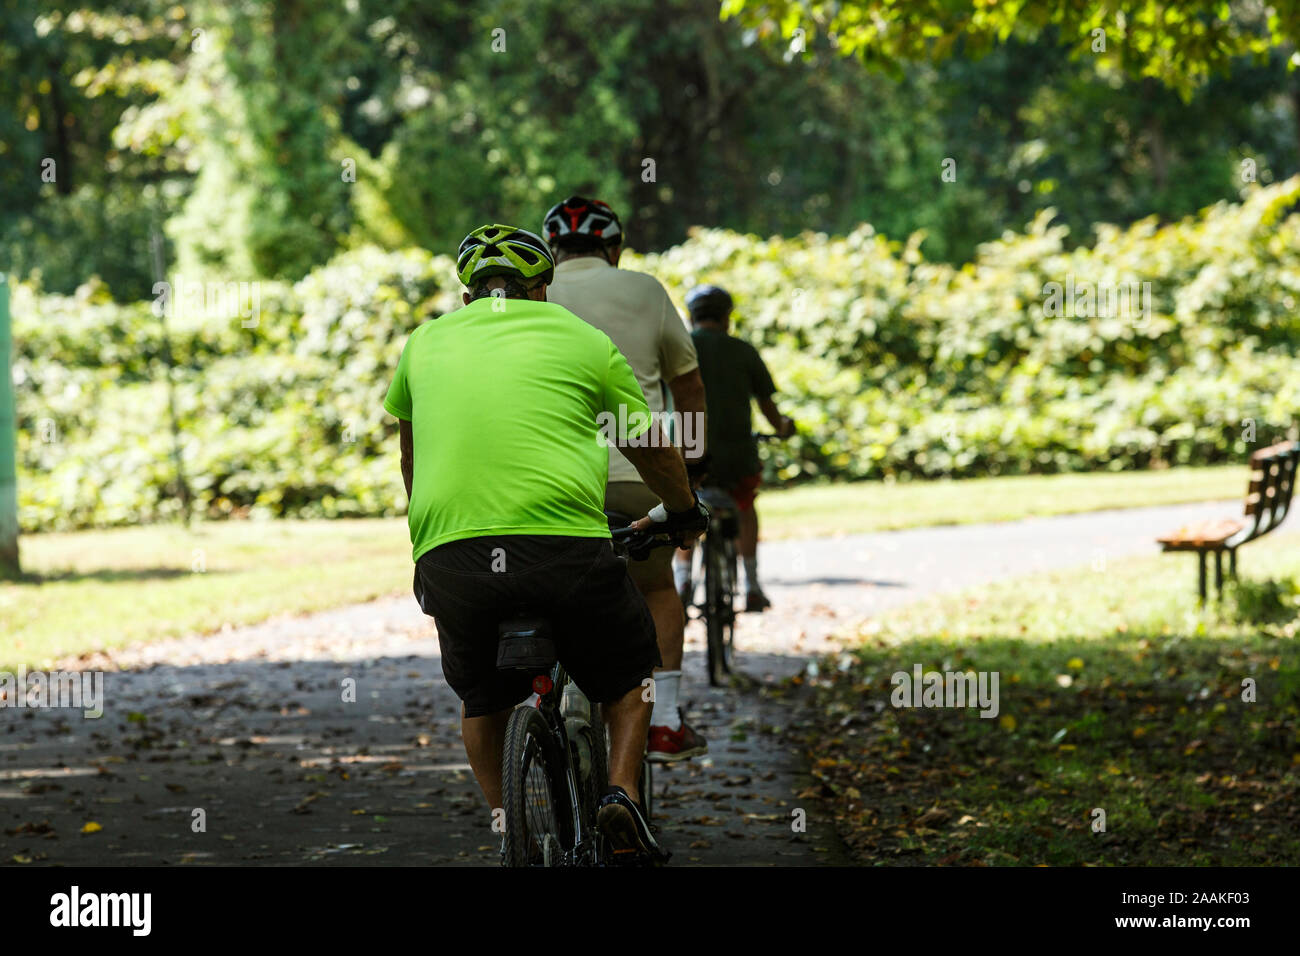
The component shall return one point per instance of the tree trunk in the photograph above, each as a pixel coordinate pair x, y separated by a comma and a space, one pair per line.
9, 568
1295, 102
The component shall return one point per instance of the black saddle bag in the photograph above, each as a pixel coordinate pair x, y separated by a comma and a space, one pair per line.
525, 644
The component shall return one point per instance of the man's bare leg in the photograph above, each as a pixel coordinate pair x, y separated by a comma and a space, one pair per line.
747, 546
485, 742
683, 561
629, 722
670, 620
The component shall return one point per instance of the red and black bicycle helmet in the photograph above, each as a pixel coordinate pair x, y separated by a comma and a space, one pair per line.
579, 216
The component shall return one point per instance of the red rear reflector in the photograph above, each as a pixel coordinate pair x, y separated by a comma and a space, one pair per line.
542, 684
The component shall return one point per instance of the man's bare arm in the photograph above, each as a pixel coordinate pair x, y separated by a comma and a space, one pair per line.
781, 425
661, 467
688, 399
407, 439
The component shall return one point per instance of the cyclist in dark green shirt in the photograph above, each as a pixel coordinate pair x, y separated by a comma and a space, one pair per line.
734, 374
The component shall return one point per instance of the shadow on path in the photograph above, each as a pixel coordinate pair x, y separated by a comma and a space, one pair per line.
284, 771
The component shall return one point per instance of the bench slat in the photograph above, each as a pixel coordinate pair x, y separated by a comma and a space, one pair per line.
1281, 448
1203, 533
1268, 499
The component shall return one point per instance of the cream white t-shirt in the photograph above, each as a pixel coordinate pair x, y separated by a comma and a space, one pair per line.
634, 310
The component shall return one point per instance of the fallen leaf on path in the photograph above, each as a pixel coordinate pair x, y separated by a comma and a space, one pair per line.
933, 816
304, 806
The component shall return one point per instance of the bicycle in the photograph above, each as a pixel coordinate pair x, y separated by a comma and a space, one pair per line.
717, 561
555, 762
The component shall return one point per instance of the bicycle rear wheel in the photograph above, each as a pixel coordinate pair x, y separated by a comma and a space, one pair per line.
533, 788
728, 603
646, 786
596, 776
716, 596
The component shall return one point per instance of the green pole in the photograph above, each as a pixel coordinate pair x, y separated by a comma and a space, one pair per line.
9, 569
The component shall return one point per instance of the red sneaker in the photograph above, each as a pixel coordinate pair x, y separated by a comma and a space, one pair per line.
667, 745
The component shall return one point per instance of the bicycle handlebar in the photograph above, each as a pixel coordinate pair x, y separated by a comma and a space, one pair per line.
637, 543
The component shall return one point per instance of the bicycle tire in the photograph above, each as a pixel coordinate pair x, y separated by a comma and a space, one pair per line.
532, 769
596, 776
714, 619
646, 785
728, 604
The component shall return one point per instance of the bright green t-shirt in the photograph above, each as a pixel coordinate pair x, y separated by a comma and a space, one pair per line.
507, 399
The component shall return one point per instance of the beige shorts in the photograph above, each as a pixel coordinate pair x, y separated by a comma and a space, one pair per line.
634, 499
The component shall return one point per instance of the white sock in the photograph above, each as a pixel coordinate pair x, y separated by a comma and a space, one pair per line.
665, 712
681, 574
751, 572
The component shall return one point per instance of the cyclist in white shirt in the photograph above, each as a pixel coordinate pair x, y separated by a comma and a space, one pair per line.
634, 310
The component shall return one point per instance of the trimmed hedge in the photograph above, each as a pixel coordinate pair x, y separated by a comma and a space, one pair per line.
895, 367
902, 368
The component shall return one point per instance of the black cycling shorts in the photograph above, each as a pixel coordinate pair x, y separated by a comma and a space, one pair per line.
604, 634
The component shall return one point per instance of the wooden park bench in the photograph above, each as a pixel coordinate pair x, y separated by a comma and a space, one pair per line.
1272, 480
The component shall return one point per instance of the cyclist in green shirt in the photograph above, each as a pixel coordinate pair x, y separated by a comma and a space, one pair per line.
504, 408
734, 374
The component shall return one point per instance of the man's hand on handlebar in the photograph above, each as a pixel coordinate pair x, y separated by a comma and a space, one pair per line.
686, 525
787, 427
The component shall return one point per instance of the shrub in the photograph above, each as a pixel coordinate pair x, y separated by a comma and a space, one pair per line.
895, 367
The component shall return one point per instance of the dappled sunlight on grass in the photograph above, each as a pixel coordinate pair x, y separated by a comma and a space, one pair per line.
813, 510
105, 589
1116, 696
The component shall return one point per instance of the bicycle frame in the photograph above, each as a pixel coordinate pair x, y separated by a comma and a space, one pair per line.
717, 556
549, 688
584, 835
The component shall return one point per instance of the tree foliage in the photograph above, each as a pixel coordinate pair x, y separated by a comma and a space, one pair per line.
1177, 42
895, 366
231, 127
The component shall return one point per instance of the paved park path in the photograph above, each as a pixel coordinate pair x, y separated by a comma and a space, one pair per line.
249, 727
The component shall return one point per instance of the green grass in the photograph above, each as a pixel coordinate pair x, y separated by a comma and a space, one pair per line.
98, 590
1116, 693
824, 510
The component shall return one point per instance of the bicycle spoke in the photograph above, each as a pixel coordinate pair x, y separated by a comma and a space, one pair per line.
539, 804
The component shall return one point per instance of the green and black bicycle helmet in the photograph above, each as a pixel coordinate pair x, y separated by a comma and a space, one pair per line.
708, 303
578, 216
499, 250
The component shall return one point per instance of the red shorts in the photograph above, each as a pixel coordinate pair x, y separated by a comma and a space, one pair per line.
745, 490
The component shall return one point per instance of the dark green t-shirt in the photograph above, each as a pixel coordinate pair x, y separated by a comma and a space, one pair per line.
507, 406
733, 374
